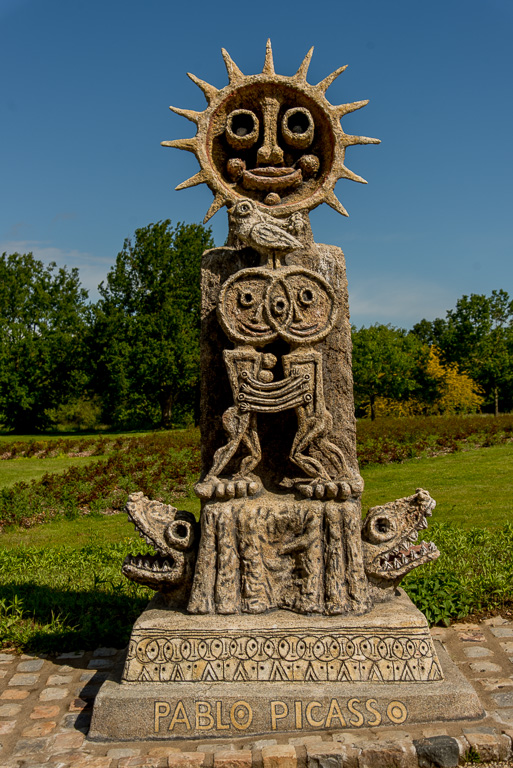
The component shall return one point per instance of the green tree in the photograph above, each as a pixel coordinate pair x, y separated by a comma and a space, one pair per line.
146, 331
387, 363
478, 336
42, 340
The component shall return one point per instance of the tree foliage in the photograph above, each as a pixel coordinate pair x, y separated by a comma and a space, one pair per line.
478, 336
42, 333
387, 363
147, 324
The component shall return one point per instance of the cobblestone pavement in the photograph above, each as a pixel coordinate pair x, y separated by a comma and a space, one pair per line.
46, 704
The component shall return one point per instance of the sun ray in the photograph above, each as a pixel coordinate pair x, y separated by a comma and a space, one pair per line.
325, 84
351, 140
345, 173
234, 73
303, 67
269, 63
209, 90
217, 203
191, 145
199, 178
335, 203
345, 109
190, 114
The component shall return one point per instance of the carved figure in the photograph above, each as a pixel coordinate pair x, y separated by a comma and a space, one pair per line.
280, 488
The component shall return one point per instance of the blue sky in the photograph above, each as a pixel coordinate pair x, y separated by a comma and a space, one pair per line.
85, 94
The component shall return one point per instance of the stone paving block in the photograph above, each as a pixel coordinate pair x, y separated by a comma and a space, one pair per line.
504, 716
328, 755
105, 652
88, 761
186, 760
3, 673
502, 631
441, 751
261, 743
477, 651
33, 665
162, 751
31, 746
6, 657
69, 740
53, 694
7, 726
485, 744
77, 705
59, 679
388, 755
496, 683
494, 621
117, 753
99, 664
484, 666
508, 647
65, 669
39, 729
279, 756
9, 710
503, 699
241, 758
21, 679
45, 711
140, 762
14, 695
71, 655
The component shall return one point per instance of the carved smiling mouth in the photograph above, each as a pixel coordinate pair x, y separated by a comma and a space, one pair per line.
271, 178
260, 330
301, 330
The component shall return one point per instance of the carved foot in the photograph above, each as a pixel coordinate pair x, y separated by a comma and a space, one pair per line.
319, 488
223, 489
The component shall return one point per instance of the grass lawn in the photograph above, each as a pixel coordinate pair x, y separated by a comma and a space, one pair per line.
25, 470
471, 488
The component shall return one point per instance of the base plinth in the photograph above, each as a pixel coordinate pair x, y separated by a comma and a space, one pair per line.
189, 676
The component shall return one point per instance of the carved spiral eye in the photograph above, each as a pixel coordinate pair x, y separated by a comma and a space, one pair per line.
379, 528
244, 208
246, 298
242, 128
306, 296
297, 126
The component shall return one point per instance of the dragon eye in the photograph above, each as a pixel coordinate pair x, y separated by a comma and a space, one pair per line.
242, 128
379, 528
297, 126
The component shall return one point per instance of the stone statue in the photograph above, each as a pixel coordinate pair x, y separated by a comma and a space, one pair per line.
280, 489
215, 653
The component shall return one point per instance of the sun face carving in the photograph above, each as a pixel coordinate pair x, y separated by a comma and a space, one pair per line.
271, 138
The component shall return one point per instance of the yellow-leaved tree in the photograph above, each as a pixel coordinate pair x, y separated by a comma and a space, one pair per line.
458, 392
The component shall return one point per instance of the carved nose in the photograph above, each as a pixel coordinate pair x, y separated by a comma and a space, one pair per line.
270, 153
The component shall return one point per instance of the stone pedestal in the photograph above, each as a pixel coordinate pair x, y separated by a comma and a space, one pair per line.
189, 676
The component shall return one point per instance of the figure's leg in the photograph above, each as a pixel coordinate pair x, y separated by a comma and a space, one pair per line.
236, 425
251, 441
309, 429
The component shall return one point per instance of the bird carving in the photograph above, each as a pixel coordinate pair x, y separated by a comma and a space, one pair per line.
260, 231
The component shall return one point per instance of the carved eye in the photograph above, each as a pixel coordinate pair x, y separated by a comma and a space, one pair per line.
279, 305
306, 296
246, 298
297, 126
379, 528
242, 128
244, 208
